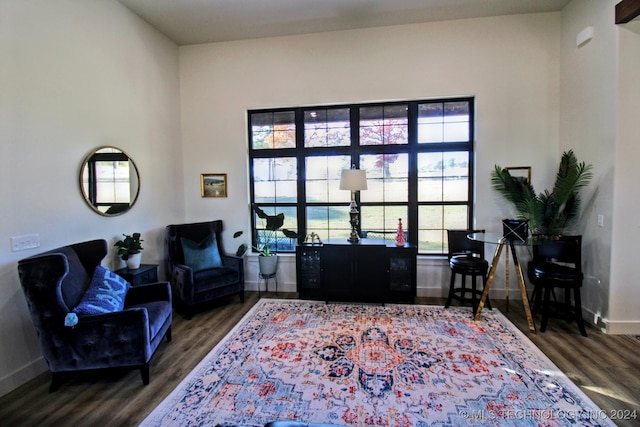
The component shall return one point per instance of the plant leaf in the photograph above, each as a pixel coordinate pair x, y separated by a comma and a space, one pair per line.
547, 212
242, 249
261, 214
290, 234
274, 222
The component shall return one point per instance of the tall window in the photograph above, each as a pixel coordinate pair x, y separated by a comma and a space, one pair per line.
418, 156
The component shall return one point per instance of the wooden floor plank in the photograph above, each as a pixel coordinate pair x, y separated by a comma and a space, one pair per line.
605, 367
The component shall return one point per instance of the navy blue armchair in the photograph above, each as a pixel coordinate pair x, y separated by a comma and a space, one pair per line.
196, 278
55, 282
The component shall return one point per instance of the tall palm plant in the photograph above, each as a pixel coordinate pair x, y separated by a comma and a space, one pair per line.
548, 212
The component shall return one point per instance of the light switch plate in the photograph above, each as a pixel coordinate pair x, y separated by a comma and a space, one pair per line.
24, 242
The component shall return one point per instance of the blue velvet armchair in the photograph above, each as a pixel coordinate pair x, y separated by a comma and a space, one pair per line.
195, 278
55, 282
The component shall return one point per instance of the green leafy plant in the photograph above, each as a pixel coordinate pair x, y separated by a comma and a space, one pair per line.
549, 212
273, 224
131, 244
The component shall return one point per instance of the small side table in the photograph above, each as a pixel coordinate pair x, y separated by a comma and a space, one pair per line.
146, 273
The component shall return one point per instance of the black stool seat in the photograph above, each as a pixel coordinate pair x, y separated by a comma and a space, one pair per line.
469, 264
466, 258
558, 273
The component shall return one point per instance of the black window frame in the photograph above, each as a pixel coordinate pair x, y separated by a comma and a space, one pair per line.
354, 150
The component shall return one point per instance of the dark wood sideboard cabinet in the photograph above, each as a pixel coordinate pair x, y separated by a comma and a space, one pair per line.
371, 270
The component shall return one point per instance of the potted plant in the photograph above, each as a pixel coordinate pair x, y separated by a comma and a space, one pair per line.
129, 250
550, 212
272, 224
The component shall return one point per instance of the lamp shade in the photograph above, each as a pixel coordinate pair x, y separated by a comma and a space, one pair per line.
353, 180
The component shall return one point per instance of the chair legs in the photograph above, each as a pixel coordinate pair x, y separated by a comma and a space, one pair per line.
576, 308
452, 283
56, 380
545, 309
57, 377
144, 373
462, 291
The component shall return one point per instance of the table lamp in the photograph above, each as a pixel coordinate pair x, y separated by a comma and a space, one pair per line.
353, 180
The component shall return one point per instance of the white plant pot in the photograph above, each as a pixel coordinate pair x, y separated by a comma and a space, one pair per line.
133, 262
268, 264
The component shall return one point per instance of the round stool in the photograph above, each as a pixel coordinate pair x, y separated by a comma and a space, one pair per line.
266, 278
467, 265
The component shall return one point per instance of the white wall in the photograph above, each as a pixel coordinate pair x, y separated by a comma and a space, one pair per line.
588, 115
510, 64
600, 103
625, 292
75, 75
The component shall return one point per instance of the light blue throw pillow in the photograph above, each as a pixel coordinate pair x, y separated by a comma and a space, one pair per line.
203, 255
105, 293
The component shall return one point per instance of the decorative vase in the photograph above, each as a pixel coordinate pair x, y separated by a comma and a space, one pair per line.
400, 241
268, 264
133, 262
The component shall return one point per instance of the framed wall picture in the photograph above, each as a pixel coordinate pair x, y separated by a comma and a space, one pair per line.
520, 172
213, 184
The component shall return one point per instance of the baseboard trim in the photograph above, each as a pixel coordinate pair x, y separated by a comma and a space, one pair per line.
624, 327
22, 375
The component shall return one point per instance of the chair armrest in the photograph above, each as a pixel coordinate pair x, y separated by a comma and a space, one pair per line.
184, 271
127, 318
233, 262
182, 282
159, 291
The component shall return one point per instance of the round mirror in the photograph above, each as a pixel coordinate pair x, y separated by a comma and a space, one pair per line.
109, 181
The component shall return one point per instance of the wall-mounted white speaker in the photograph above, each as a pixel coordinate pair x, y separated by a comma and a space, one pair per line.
584, 36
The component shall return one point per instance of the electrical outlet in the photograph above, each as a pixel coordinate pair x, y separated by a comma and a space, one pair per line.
24, 242
600, 220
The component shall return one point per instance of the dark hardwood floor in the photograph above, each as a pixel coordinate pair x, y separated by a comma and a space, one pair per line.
605, 367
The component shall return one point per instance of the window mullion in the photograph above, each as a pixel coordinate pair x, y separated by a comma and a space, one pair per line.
355, 135
412, 209
300, 156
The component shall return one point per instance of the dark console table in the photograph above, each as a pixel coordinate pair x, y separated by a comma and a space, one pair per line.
371, 270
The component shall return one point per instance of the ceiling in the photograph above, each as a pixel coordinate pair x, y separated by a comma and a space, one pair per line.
204, 21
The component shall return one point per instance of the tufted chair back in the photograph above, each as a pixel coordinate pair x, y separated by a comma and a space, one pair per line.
53, 283
195, 232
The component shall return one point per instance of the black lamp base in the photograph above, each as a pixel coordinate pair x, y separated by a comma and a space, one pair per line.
353, 237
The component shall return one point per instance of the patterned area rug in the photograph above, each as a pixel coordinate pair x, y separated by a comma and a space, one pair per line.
393, 365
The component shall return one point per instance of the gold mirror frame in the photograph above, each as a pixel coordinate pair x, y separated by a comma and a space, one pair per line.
109, 181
